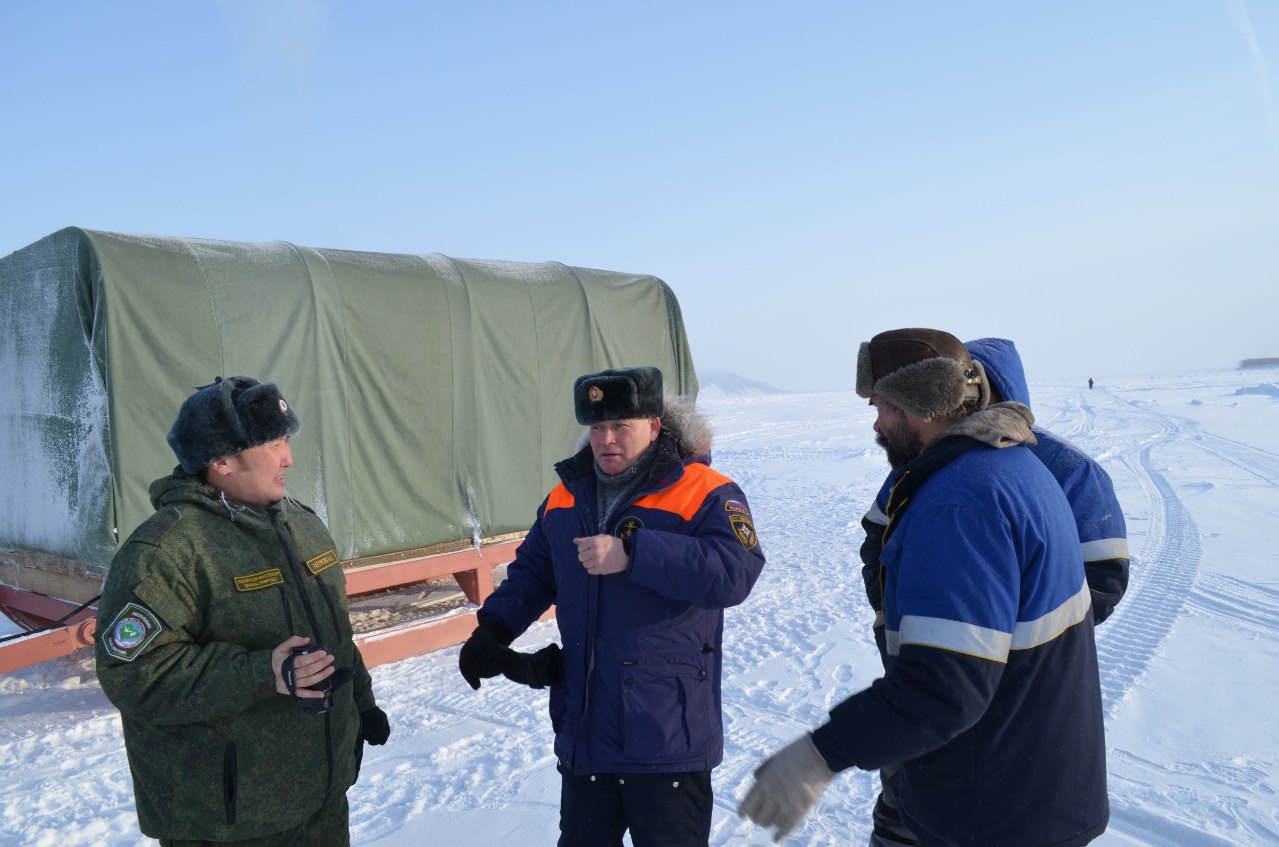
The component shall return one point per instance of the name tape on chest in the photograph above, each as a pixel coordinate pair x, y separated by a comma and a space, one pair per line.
260, 580
130, 632
322, 561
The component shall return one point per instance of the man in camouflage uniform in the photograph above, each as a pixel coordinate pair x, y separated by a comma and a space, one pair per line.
233, 732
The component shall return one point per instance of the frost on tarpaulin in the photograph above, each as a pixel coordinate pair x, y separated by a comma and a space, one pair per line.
472, 517
54, 474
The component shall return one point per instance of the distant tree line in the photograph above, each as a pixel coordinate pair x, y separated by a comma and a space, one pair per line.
1259, 363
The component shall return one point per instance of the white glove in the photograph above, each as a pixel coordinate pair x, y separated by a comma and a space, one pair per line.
787, 785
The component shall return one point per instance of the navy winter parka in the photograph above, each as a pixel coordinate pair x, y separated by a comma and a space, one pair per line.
991, 699
641, 688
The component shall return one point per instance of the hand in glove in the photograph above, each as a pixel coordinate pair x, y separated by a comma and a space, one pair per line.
374, 726
787, 785
536, 670
486, 653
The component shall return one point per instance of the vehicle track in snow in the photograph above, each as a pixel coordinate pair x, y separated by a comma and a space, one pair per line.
1162, 572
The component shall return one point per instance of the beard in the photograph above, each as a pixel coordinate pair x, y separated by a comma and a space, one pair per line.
901, 444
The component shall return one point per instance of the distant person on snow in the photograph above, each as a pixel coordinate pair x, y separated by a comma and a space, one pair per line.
1089, 383
991, 698
640, 547
1099, 520
234, 733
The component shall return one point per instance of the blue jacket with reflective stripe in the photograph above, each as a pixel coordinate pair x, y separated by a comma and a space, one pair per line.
991, 699
641, 689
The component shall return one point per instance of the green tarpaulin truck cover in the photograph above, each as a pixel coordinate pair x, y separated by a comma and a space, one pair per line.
434, 393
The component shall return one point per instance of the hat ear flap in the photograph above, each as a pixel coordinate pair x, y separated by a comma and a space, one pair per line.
865, 379
983, 387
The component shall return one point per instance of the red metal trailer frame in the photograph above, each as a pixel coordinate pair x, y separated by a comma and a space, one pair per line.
471, 567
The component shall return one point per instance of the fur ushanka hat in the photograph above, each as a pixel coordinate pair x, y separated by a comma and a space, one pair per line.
618, 394
228, 417
927, 372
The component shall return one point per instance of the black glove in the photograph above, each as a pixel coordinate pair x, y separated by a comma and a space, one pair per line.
536, 670
486, 653
374, 726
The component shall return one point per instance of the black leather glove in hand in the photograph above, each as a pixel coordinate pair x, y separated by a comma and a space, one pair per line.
536, 670
485, 654
374, 726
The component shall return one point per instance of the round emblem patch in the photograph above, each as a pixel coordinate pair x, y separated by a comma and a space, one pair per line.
284, 407
129, 632
595, 394
628, 526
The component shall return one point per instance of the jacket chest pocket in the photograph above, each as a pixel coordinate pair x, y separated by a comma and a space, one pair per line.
667, 706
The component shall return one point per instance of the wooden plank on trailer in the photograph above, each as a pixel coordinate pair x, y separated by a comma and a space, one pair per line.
472, 568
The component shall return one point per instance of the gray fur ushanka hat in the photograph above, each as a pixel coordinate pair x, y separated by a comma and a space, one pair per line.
228, 417
618, 394
927, 372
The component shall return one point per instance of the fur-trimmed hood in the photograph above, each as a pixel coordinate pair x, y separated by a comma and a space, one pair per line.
1001, 425
690, 428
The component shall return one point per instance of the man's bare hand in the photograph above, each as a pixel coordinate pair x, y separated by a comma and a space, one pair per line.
308, 670
601, 555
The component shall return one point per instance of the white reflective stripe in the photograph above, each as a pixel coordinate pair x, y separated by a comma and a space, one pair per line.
1105, 548
892, 641
956, 636
1029, 634
880, 620
875, 515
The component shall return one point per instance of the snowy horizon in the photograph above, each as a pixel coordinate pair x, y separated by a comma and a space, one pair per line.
1188, 661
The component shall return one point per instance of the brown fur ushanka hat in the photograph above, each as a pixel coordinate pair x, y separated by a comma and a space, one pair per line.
927, 372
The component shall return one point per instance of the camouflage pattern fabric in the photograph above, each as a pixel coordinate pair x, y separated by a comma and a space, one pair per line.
194, 603
329, 827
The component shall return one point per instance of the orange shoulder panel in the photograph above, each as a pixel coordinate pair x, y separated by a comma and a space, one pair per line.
559, 498
685, 497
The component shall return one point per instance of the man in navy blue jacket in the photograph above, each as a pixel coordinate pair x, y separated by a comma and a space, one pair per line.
640, 547
1098, 516
991, 700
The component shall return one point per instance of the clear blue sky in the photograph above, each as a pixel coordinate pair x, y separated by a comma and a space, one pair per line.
1097, 180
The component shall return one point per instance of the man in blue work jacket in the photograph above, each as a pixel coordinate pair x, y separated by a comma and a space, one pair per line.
1103, 538
990, 700
640, 547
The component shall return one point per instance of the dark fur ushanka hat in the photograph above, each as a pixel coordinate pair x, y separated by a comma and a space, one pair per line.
618, 394
228, 417
927, 372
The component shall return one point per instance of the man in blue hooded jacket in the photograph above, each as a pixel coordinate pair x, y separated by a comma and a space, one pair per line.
991, 699
1098, 518
640, 547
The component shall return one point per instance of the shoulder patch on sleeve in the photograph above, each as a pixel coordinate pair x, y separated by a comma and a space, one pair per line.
155, 528
131, 631
744, 530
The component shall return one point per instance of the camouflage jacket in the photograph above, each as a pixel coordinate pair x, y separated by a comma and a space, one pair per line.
193, 604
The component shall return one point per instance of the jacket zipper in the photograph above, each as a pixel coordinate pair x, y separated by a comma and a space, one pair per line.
592, 600
296, 567
229, 782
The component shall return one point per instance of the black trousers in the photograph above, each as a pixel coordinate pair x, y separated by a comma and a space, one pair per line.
660, 809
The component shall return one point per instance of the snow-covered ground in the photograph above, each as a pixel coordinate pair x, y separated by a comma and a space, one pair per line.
1189, 662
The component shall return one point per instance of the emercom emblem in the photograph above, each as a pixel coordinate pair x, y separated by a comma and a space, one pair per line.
744, 530
130, 632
